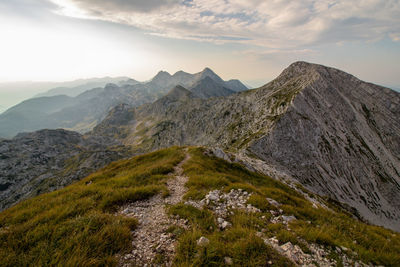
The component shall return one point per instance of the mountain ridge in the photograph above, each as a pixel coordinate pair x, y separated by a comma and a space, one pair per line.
321, 127
311, 122
197, 209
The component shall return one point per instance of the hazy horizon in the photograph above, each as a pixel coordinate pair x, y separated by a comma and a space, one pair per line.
65, 40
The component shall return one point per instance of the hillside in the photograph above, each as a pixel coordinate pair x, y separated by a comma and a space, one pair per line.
46, 160
88, 106
335, 134
209, 212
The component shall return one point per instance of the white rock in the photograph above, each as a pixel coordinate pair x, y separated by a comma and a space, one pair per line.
228, 261
273, 202
225, 224
203, 241
287, 246
287, 219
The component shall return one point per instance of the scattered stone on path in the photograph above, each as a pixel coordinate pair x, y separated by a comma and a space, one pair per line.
151, 238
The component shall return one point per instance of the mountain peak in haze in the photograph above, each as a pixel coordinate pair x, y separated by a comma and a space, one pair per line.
161, 78
208, 87
179, 92
207, 72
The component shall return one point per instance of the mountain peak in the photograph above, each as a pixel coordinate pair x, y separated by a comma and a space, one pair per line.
180, 72
161, 75
161, 78
178, 92
207, 70
303, 72
302, 67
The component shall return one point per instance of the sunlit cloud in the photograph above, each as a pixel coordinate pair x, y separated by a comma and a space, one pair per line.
270, 23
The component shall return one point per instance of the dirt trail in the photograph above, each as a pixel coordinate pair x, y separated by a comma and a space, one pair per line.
150, 238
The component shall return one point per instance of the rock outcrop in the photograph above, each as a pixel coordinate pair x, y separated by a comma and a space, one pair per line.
43, 161
340, 138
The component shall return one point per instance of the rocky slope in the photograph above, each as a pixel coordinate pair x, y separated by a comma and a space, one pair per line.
82, 112
341, 138
43, 161
333, 133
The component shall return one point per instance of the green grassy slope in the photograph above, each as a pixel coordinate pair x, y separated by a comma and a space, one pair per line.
78, 225
329, 227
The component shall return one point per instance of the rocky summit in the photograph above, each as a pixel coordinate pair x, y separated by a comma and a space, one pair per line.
333, 133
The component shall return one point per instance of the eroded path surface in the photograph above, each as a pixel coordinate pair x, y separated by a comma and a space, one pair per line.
152, 246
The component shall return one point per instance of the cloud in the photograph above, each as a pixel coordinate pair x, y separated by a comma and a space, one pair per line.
287, 24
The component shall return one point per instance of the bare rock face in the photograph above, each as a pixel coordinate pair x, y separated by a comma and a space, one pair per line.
46, 160
341, 138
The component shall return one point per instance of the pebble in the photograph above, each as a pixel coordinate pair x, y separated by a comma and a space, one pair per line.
228, 261
203, 241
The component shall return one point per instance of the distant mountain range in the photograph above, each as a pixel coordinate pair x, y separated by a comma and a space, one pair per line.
70, 89
82, 107
12, 93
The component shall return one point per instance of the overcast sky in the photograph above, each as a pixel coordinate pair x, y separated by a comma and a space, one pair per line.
253, 40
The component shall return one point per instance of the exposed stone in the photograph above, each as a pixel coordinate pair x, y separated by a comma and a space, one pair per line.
273, 202
46, 160
288, 219
203, 241
228, 261
225, 224
317, 257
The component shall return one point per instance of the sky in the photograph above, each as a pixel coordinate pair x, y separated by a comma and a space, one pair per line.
252, 40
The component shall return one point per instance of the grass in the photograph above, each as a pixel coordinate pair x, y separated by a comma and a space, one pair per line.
77, 226
329, 227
